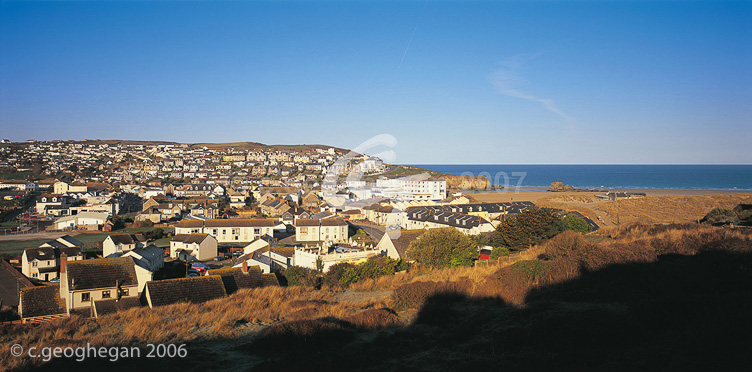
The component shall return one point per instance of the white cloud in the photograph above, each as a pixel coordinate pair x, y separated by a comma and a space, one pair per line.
507, 79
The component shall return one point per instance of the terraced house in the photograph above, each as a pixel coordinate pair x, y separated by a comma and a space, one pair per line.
320, 230
228, 230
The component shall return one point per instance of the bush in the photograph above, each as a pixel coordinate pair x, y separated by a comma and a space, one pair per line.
720, 216
445, 247
295, 275
575, 223
527, 228
155, 234
497, 252
333, 277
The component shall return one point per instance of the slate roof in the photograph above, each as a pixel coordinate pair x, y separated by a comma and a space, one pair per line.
403, 241
11, 281
270, 280
112, 305
41, 301
233, 278
254, 222
320, 222
195, 289
190, 238
127, 238
101, 273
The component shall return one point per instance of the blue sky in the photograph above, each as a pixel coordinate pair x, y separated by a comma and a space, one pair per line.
454, 82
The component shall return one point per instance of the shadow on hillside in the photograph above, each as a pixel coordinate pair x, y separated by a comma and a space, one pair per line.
680, 313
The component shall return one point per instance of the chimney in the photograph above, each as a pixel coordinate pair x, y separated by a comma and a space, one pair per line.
63, 263
245, 267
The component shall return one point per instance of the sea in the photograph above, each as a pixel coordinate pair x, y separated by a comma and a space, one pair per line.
681, 177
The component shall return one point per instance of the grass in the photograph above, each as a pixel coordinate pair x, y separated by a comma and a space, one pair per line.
643, 297
11, 248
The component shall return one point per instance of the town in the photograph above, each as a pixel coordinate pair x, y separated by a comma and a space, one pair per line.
177, 222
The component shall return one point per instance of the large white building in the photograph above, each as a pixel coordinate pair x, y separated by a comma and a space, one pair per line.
228, 230
412, 188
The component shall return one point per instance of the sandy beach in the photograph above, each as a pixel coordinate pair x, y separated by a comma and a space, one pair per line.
508, 195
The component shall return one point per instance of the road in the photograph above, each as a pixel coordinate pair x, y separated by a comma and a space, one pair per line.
373, 230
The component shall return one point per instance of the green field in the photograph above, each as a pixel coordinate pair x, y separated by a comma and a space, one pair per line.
90, 240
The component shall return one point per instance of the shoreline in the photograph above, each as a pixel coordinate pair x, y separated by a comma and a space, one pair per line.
534, 193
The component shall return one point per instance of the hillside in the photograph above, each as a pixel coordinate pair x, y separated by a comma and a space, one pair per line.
646, 297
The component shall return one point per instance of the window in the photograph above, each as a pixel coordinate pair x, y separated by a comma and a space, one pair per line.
124, 291
257, 231
34, 264
85, 297
105, 294
34, 275
304, 230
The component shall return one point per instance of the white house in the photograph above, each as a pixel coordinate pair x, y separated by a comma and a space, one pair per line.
122, 243
199, 246
317, 230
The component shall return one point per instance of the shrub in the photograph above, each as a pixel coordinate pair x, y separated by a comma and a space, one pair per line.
377, 266
374, 319
295, 275
719, 216
333, 277
575, 223
497, 252
445, 247
527, 228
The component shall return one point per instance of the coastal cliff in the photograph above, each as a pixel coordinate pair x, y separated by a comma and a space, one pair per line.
466, 182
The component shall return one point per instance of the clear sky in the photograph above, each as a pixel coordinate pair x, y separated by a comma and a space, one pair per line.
497, 82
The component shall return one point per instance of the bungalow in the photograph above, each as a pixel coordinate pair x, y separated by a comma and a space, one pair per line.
194, 290
83, 220
41, 304
235, 278
199, 246
84, 282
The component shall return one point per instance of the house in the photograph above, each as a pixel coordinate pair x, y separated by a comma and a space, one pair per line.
267, 259
11, 283
43, 263
60, 187
430, 218
395, 243
83, 220
88, 281
310, 200
197, 245
235, 278
316, 230
194, 290
121, 243
329, 256
150, 214
293, 214
150, 258
228, 230
41, 304
274, 207
55, 205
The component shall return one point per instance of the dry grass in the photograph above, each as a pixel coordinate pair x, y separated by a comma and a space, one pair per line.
297, 312
670, 208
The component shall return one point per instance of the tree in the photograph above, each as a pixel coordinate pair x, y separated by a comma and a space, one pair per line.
575, 223
527, 228
445, 247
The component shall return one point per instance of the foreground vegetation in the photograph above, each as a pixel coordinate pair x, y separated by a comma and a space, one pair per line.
646, 297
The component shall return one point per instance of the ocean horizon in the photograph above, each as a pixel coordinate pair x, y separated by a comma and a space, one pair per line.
598, 176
